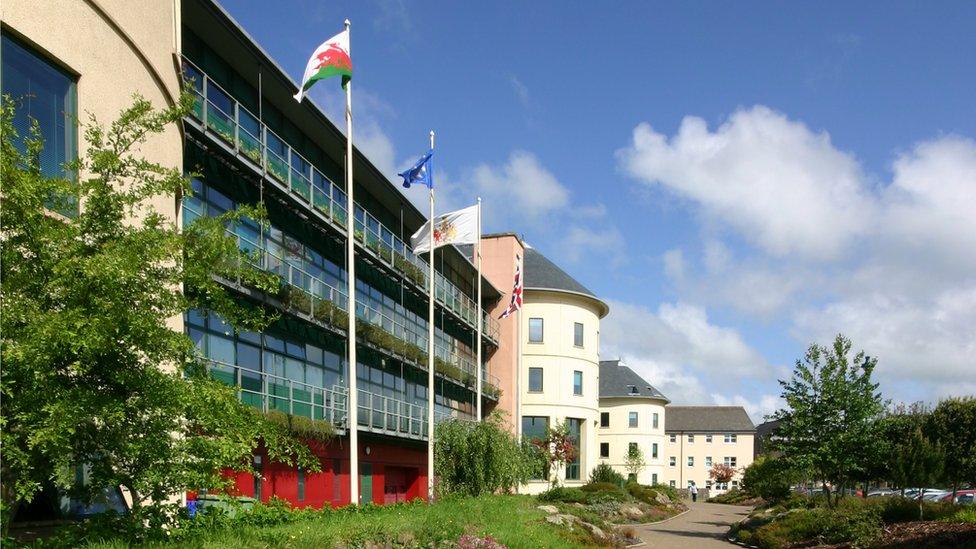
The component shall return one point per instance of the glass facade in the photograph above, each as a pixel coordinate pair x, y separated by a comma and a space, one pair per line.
534, 428
575, 426
44, 94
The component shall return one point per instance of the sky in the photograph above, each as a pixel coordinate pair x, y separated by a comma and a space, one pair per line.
737, 180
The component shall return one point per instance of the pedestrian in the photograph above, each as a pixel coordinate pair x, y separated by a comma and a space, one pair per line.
694, 493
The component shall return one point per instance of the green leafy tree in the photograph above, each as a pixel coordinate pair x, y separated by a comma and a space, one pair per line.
769, 478
555, 449
952, 424
93, 373
831, 405
891, 433
918, 461
634, 462
474, 458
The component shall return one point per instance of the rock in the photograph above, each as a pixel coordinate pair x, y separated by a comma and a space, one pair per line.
595, 531
662, 499
551, 509
561, 520
631, 511
578, 504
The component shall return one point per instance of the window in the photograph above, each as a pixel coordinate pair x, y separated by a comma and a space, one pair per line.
535, 330
535, 380
604, 419
691, 439
575, 430
631, 448
578, 334
691, 461
653, 479
730, 437
735, 484
654, 450
708, 461
672, 461
708, 484
44, 93
708, 438
632, 419
671, 484
673, 438
730, 461
632, 389
604, 449
577, 382
654, 419
301, 484
534, 428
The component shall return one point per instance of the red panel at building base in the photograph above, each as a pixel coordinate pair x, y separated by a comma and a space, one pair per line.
390, 471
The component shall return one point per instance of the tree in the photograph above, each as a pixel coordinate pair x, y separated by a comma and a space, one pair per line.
92, 374
952, 424
892, 432
917, 460
768, 478
475, 458
721, 472
634, 462
831, 404
555, 449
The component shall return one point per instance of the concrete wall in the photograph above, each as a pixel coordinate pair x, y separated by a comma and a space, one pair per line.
619, 435
498, 266
559, 358
700, 449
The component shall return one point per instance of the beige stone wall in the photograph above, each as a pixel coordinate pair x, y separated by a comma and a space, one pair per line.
115, 48
700, 449
559, 358
619, 435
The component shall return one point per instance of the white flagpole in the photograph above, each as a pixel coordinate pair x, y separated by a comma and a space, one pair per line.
352, 412
480, 315
430, 347
518, 360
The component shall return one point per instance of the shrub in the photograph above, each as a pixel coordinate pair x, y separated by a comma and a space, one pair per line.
478, 458
606, 473
669, 491
767, 478
600, 487
859, 525
564, 495
642, 493
733, 496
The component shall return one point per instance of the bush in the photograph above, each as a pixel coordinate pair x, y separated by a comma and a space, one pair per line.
642, 493
672, 493
563, 495
733, 496
606, 473
601, 492
600, 487
767, 478
859, 525
479, 458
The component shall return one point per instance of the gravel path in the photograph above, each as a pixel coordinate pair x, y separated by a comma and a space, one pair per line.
704, 526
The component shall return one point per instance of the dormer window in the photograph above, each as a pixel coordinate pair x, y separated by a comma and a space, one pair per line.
632, 389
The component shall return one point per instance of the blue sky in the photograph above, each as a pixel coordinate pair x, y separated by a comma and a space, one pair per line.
737, 179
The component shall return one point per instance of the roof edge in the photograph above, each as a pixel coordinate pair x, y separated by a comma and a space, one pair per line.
604, 308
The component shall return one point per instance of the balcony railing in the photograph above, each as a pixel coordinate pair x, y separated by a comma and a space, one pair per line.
320, 300
377, 413
242, 131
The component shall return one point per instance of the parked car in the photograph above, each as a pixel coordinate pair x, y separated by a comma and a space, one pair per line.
881, 493
962, 497
934, 495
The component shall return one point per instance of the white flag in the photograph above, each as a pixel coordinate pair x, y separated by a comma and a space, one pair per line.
460, 227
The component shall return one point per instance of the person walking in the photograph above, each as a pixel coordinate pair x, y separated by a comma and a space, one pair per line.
694, 493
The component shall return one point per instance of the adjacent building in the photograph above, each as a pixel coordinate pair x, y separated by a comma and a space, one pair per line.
250, 141
632, 415
699, 437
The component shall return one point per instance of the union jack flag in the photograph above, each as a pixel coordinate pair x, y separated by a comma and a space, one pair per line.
516, 302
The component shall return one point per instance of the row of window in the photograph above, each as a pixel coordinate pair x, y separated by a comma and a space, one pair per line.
729, 460
537, 332
631, 446
536, 381
730, 438
633, 420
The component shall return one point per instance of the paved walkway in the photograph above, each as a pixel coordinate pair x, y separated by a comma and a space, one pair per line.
704, 526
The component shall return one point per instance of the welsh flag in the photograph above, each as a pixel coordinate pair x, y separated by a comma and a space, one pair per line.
330, 59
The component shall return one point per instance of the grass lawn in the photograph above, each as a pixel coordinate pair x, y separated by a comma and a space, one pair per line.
511, 520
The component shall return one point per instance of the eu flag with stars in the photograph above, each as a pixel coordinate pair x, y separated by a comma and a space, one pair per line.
420, 172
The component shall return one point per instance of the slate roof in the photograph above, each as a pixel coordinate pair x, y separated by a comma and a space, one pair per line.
707, 419
544, 274
616, 380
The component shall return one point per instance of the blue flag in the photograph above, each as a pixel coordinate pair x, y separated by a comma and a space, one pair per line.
420, 172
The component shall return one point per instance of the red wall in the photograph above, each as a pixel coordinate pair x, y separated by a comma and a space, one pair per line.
320, 488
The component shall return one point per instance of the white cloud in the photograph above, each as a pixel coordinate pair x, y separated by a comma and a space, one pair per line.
757, 409
892, 265
520, 190
678, 350
587, 243
784, 187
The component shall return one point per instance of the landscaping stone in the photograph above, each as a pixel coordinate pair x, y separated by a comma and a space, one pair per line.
662, 499
631, 511
561, 519
594, 531
551, 509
